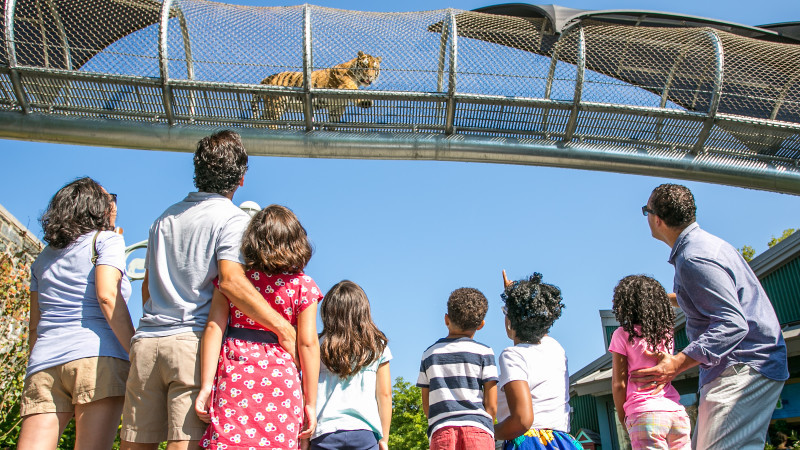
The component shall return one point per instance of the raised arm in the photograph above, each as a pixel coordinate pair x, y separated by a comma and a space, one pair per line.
107, 286
210, 346
383, 394
237, 288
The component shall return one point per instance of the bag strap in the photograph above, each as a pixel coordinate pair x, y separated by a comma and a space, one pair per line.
94, 248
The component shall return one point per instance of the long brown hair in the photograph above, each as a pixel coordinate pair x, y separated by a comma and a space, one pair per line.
350, 340
275, 242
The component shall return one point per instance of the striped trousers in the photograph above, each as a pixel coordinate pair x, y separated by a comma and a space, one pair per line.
735, 410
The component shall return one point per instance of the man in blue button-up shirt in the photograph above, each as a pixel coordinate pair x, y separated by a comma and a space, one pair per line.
734, 334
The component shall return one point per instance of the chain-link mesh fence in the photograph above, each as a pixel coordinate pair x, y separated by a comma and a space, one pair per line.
684, 89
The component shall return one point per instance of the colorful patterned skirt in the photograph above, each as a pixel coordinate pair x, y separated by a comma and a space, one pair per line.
534, 439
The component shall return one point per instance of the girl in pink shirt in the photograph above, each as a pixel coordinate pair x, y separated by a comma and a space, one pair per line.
654, 418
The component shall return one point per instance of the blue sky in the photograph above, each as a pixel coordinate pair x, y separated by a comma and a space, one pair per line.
410, 232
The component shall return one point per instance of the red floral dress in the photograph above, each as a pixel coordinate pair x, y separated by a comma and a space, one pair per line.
257, 398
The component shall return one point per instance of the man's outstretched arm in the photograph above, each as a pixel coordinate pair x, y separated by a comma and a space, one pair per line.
234, 284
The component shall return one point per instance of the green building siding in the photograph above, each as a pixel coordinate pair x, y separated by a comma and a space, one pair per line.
584, 414
609, 331
783, 288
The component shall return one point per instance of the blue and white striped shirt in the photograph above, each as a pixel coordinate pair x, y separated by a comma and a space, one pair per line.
454, 371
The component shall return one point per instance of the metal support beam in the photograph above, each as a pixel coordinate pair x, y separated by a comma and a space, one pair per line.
11, 57
667, 86
782, 96
548, 87
187, 50
62, 34
308, 109
719, 59
449, 125
572, 123
163, 62
401, 146
442, 62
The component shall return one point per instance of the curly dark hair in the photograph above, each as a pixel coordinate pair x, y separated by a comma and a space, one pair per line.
641, 300
77, 208
674, 204
467, 308
276, 242
220, 162
350, 340
532, 307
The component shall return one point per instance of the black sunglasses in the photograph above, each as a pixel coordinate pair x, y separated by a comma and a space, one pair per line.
113, 197
646, 211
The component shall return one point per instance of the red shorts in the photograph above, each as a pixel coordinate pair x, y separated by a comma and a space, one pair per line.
461, 438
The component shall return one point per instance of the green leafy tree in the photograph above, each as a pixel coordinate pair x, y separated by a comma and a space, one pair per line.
786, 233
14, 307
409, 424
749, 253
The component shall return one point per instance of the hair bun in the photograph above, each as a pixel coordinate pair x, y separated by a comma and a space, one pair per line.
536, 278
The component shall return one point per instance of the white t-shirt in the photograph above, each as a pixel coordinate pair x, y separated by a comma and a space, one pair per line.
544, 367
183, 252
349, 404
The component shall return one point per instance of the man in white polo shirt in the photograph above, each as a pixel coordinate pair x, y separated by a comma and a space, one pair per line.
193, 242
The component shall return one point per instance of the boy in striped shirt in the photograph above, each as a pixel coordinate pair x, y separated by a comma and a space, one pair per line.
458, 378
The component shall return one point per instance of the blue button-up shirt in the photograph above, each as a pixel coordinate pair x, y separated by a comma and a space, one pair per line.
729, 319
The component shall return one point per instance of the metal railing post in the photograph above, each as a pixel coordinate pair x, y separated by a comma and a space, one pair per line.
187, 49
11, 53
716, 94
163, 62
450, 116
572, 123
551, 73
308, 109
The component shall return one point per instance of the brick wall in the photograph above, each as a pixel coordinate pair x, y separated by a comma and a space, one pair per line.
15, 237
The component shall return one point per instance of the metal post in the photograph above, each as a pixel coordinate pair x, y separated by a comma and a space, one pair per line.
307, 106
11, 51
451, 86
719, 58
62, 33
187, 49
665, 93
549, 85
163, 62
440, 74
572, 124
782, 97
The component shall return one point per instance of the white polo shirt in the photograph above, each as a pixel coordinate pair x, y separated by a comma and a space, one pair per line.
183, 250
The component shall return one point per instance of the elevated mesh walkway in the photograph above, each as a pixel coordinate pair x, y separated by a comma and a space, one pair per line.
623, 91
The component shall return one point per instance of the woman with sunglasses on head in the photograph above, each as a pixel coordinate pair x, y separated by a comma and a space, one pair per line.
80, 327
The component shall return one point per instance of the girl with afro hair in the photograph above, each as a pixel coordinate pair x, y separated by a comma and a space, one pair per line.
533, 395
654, 417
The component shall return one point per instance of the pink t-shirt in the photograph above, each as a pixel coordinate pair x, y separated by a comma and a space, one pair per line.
637, 401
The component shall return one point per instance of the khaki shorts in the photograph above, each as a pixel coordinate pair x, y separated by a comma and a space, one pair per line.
161, 390
60, 388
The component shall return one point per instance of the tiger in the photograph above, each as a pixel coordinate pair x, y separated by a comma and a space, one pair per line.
361, 71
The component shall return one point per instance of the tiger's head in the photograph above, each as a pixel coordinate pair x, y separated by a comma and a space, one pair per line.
366, 69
